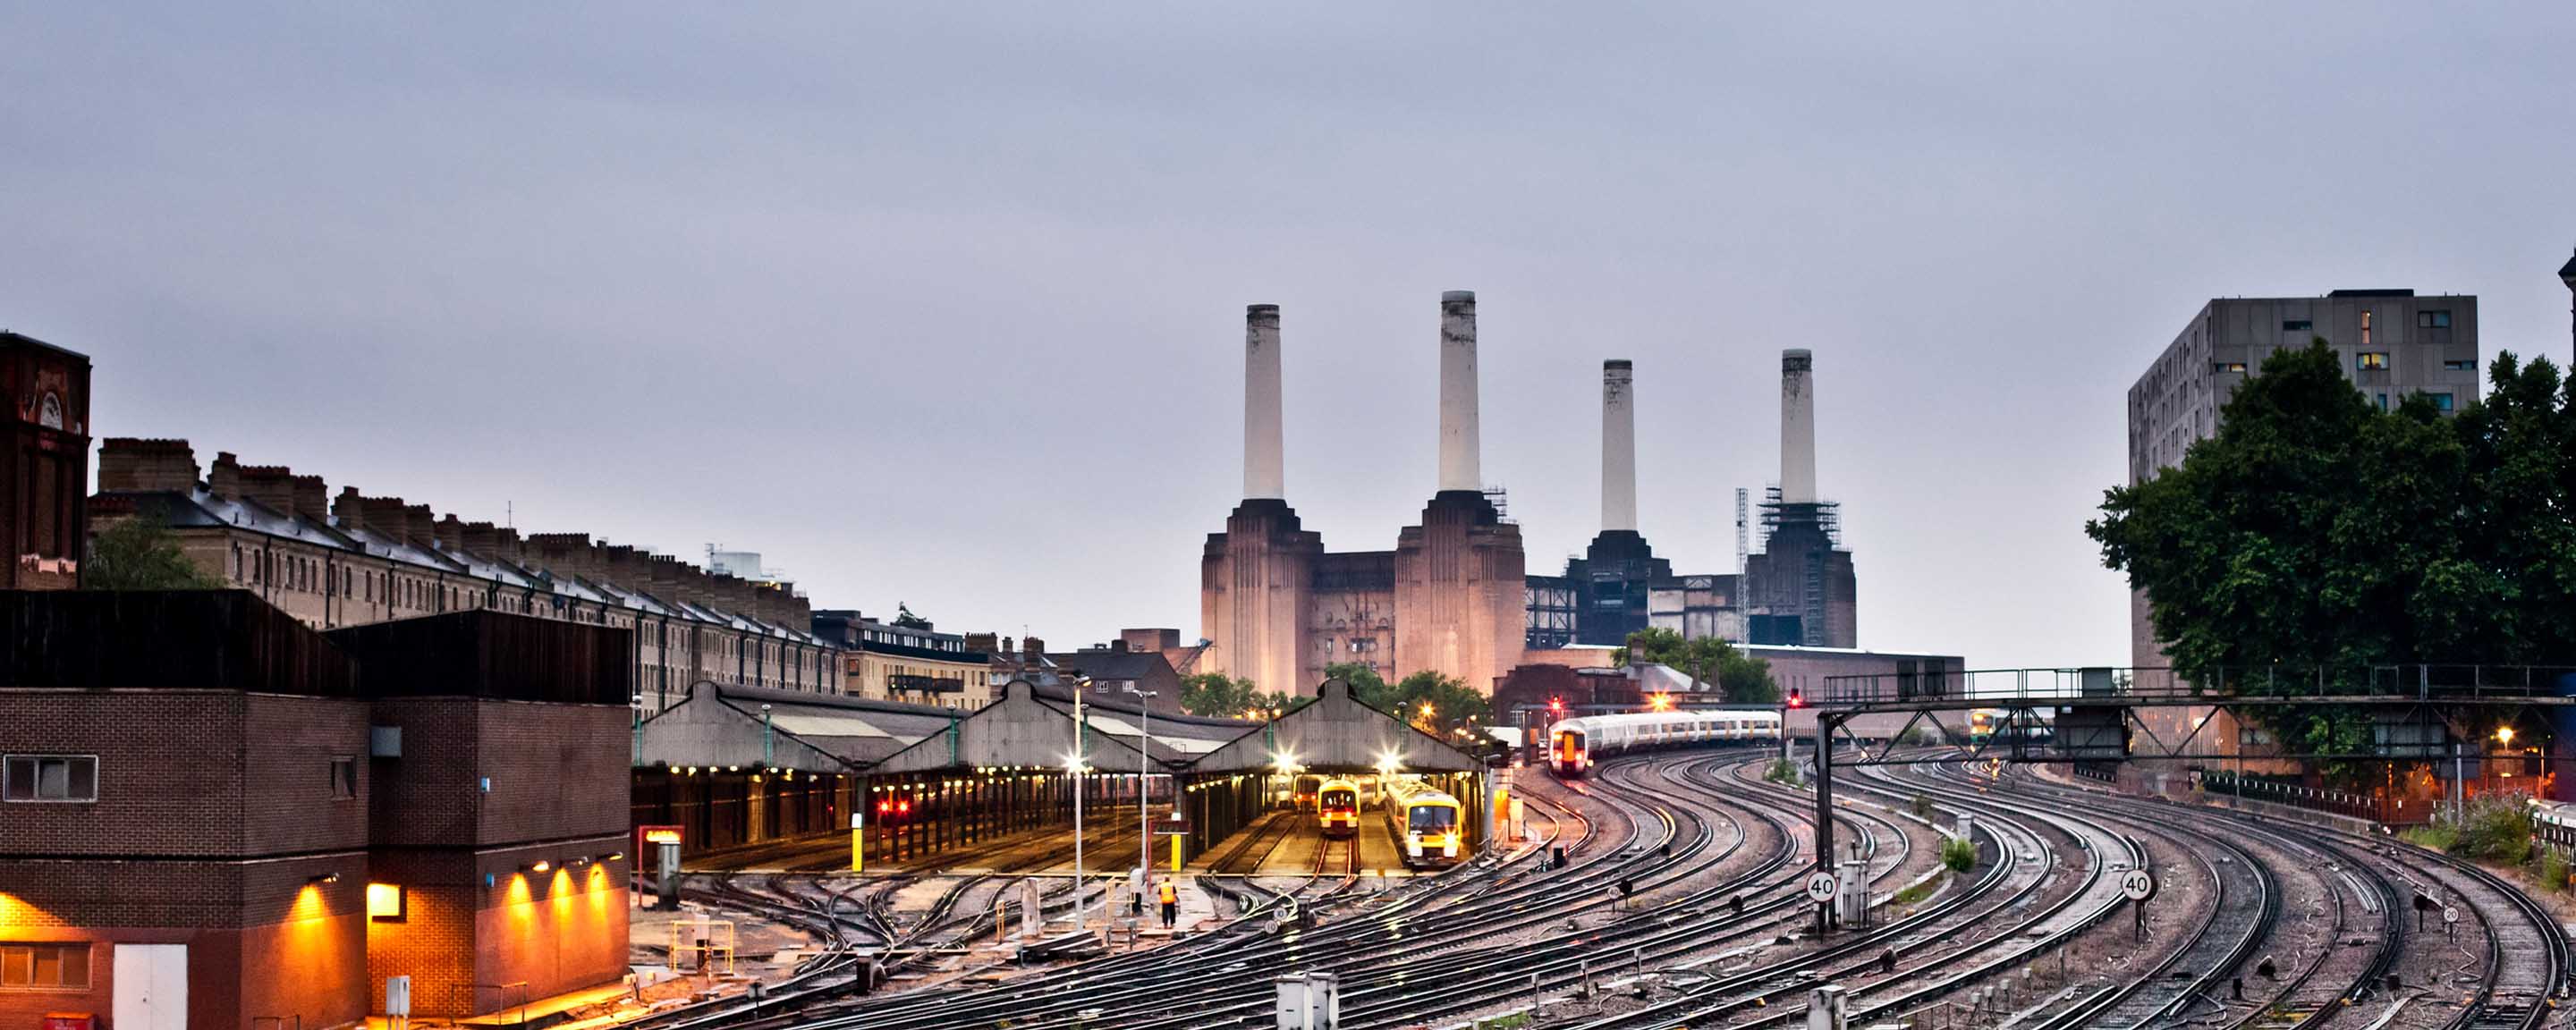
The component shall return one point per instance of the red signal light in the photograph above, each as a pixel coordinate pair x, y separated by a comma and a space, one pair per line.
1556, 705
884, 807
1797, 699
903, 807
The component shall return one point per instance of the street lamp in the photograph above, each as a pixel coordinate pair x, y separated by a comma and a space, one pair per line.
2504, 735
2567, 274
1144, 758
1073, 766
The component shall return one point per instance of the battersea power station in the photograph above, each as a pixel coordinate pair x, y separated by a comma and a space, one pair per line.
1455, 595
1450, 598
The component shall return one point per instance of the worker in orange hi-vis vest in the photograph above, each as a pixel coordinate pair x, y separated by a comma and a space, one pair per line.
1170, 896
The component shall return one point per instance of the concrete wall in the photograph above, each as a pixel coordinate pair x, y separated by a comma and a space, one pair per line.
1253, 582
1460, 592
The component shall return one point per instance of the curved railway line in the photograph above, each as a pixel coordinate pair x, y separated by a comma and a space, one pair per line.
1677, 905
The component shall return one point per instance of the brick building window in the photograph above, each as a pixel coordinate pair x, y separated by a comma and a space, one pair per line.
49, 778
344, 778
45, 967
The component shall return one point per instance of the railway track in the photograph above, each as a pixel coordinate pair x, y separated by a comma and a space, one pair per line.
1715, 855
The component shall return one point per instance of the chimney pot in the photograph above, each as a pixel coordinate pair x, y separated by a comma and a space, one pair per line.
1263, 438
1797, 427
146, 465
1459, 458
1618, 447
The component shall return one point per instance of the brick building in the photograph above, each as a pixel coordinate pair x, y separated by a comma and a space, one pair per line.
211, 813
1451, 598
906, 660
44, 461
353, 560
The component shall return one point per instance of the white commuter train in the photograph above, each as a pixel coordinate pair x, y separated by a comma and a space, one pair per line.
1575, 745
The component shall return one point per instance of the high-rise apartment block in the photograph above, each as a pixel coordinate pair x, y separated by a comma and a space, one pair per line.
2392, 344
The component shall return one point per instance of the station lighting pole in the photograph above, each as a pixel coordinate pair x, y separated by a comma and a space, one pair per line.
1074, 766
1144, 759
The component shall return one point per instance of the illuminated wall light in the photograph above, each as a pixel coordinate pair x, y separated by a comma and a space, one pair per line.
323, 878
385, 902
541, 866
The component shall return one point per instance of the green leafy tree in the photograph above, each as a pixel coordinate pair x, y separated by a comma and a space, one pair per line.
141, 553
1453, 704
2316, 535
1216, 694
1740, 678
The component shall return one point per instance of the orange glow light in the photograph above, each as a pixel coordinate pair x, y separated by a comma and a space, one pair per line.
661, 836
541, 866
384, 901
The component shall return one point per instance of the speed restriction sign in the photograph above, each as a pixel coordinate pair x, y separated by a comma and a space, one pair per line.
1820, 887
2136, 885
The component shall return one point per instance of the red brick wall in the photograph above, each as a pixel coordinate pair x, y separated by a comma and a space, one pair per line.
172, 766
434, 941
429, 795
288, 744
556, 771
560, 930
264, 939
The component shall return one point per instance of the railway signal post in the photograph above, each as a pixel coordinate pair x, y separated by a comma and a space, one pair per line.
2138, 885
1821, 886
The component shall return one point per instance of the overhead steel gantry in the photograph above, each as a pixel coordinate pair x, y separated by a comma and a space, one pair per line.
2094, 711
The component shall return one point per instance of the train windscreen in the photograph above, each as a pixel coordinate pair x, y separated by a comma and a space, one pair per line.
1341, 799
1432, 819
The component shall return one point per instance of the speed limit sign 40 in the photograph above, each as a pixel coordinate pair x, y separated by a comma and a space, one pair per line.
2137, 885
1821, 886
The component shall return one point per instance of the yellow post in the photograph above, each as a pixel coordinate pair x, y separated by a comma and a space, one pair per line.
1176, 852
858, 845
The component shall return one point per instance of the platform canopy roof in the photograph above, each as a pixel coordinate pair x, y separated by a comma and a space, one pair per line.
1336, 733
1032, 726
719, 726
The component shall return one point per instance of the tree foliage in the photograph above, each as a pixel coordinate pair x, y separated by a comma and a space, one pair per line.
1215, 694
1740, 678
141, 553
1453, 704
2316, 535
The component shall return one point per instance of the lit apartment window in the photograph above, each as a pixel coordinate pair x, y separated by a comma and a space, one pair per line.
2371, 360
2296, 325
2365, 328
45, 967
2460, 366
2227, 366
2438, 319
49, 778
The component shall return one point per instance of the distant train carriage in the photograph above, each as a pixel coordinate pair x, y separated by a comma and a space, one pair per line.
1575, 745
1424, 822
1301, 792
1337, 807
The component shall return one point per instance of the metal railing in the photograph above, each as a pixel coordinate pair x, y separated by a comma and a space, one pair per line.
2014, 687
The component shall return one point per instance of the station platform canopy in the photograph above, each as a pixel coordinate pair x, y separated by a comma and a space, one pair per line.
719, 726
1033, 727
1335, 733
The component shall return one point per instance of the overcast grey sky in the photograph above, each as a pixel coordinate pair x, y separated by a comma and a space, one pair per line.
942, 303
